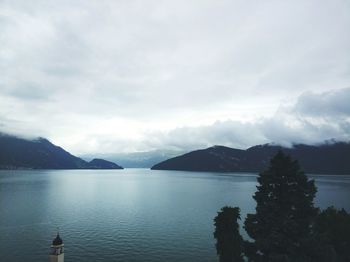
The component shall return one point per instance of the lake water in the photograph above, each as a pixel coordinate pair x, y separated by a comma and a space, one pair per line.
127, 215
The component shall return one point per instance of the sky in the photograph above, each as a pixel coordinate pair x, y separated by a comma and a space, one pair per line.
130, 76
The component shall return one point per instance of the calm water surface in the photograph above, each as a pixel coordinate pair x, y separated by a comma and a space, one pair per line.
127, 215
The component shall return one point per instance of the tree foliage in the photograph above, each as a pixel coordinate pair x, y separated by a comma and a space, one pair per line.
286, 225
228, 240
330, 238
284, 212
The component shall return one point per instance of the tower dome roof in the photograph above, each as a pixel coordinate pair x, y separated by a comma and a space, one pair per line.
57, 241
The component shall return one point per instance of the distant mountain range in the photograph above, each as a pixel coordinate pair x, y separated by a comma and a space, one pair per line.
329, 158
137, 159
19, 153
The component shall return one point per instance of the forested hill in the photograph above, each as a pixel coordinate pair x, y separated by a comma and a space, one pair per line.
329, 158
40, 153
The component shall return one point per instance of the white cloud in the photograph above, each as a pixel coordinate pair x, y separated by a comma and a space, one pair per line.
107, 75
331, 104
295, 123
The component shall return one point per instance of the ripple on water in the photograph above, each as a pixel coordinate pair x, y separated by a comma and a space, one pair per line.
126, 215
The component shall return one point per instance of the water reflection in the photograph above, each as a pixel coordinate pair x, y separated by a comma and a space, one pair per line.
127, 215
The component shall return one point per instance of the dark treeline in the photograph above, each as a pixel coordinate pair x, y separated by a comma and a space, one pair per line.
286, 225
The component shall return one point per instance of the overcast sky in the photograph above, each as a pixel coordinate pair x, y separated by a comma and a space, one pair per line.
125, 76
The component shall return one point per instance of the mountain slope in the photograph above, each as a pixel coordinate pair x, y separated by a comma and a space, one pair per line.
323, 159
144, 159
218, 158
102, 164
38, 154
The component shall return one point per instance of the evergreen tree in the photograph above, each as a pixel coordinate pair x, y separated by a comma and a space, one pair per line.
228, 240
330, 239
284, 212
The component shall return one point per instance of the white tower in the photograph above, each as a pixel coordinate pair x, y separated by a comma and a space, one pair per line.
57, 250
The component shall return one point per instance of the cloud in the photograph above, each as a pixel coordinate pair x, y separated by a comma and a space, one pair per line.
199, 72
289, 125
332, 104
229, 133
296, 123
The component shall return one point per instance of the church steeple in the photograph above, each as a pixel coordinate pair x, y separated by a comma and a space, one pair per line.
57, 250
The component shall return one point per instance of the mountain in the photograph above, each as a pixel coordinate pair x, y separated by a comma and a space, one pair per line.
40, 153
98, 163
137, 159
328, 158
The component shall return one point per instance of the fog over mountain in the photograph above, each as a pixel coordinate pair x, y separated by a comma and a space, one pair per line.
328, 158
137, 159
137, 76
